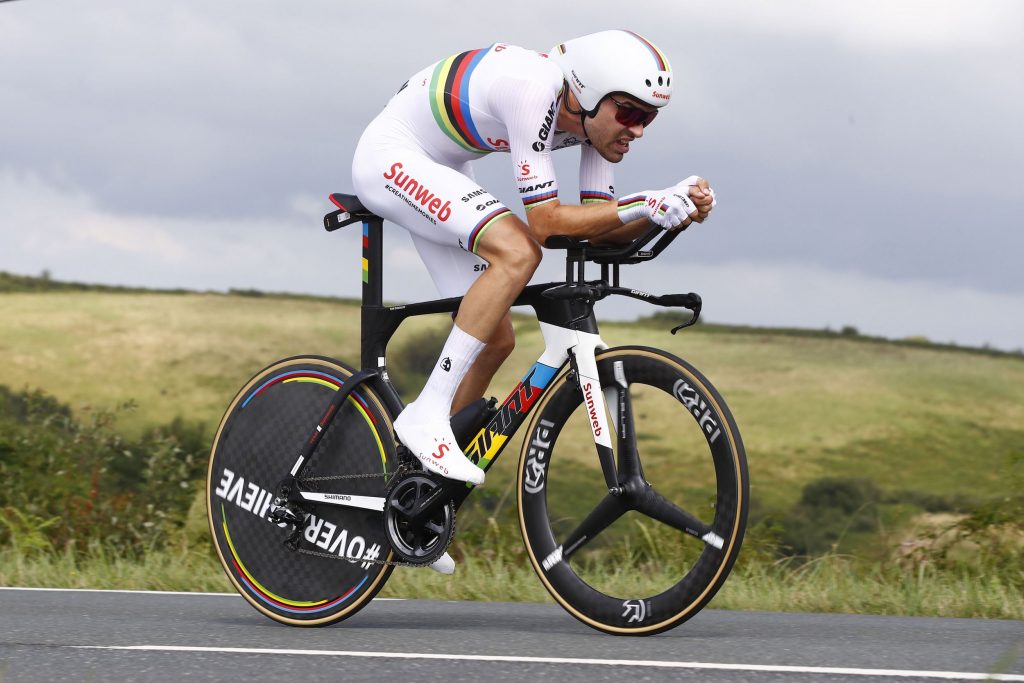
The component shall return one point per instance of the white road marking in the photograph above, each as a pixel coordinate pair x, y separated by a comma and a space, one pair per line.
112, 590
115, 590
771, 668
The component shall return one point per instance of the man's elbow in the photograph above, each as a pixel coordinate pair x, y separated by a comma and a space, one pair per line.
541, 233
543, 224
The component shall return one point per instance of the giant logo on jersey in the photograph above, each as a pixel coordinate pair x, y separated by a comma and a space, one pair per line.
549, 118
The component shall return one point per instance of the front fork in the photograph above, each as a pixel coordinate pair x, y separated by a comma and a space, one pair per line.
600, 402
628, 488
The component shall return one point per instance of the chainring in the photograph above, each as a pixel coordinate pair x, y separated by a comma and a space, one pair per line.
416, 544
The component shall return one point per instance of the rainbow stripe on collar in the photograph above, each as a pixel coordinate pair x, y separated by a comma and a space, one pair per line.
449, 100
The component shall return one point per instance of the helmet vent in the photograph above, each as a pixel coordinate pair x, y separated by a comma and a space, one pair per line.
648, 82
661, 81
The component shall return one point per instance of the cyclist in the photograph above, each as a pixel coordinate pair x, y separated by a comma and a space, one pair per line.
412, 166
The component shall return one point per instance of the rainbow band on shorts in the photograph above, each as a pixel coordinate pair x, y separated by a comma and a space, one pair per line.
481, 227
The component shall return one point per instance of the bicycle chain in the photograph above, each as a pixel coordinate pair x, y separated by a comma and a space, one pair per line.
330, 477
388, 563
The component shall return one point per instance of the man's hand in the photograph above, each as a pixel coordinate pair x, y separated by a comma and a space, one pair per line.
702, 196
669, 208
672, 208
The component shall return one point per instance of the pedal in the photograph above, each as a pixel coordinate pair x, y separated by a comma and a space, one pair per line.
406, 460
292, 542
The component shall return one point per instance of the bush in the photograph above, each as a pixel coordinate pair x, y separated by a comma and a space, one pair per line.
411, 362
78, 482
828, 509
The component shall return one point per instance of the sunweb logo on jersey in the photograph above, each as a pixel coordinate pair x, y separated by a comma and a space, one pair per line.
420, 193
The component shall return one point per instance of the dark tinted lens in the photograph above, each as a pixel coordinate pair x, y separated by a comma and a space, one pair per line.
631, 116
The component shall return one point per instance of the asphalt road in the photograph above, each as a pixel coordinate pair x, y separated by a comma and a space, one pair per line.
51, 635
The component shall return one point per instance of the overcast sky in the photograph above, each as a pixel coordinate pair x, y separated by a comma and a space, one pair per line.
868, 156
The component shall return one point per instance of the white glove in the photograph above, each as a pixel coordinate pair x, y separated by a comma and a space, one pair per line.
668, 208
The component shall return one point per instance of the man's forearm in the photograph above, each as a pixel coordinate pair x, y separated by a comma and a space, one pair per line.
585, 222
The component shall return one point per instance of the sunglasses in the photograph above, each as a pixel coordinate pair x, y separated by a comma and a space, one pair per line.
630, 116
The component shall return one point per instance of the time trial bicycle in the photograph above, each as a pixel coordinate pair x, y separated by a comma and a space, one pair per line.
313, 502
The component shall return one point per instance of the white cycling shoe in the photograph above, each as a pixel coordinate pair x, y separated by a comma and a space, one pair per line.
434, 445
443, 565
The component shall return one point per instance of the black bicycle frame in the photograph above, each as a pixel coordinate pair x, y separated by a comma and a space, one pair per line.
568, 304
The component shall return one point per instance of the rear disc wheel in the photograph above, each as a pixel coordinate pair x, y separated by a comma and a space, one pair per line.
255, 447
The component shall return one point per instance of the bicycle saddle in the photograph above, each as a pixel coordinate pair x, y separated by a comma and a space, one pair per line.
350, 204
350, 210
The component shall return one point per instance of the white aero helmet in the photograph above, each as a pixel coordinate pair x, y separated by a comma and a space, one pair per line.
607, 62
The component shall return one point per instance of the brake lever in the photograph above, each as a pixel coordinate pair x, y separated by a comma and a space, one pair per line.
695, 308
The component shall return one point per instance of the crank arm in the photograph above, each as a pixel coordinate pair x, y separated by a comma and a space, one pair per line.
440, 497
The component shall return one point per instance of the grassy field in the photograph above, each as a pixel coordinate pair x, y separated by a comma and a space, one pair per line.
827, 585
933, 420
919, 422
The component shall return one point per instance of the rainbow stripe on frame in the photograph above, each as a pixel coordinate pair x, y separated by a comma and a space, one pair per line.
366, 246
488, 443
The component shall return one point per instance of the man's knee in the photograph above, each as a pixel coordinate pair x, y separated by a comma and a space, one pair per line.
510, 245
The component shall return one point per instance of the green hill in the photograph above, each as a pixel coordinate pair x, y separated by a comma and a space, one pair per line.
938, 421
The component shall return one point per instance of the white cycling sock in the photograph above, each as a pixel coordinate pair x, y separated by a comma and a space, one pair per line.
457, 356
424, 424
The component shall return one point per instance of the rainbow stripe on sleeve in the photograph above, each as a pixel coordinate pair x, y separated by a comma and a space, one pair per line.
627, 203
449, 100
538, 199
593, 197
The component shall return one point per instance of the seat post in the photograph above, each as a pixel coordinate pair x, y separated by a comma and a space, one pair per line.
373, 257
377, 324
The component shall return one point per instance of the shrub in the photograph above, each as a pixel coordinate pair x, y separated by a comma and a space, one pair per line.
79, 482
828, 509
411, 362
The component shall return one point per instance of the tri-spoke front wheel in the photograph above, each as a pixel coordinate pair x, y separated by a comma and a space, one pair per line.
648, 554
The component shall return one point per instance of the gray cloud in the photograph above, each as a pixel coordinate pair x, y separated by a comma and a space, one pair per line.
876, 141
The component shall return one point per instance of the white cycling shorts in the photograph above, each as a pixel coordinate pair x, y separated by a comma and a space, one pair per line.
437, 200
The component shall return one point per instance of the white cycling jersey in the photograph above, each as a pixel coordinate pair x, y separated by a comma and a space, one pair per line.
412, 164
